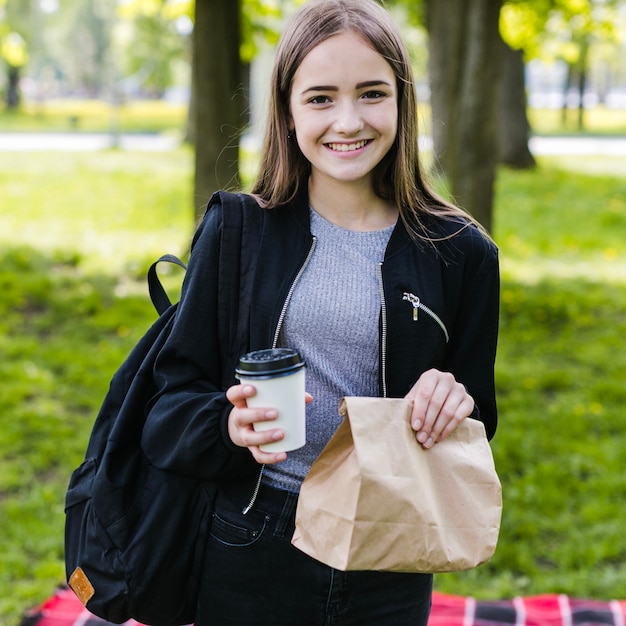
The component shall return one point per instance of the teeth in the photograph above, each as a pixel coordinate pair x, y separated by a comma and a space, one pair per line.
347, 147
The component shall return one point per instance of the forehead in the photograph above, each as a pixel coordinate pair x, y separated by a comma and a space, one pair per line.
342, 57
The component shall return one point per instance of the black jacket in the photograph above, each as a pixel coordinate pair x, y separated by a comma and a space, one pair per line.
440, 310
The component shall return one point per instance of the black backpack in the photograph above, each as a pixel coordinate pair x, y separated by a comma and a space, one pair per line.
134, 534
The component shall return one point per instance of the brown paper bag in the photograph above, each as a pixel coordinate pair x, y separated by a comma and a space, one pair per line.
376, 500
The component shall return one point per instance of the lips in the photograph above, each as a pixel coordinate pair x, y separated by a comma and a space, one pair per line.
348, 147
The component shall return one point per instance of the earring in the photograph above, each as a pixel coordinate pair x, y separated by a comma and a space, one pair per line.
291, 134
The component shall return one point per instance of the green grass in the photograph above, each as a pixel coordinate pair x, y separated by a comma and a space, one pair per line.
152, 116
560, 448
599, 120
107, 209
77, 232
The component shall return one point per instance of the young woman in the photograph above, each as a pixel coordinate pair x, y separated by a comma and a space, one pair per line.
385, 290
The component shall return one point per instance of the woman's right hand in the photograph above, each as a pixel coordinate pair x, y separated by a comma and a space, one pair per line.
241, 425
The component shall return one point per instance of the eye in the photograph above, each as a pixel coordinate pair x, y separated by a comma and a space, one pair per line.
373, 95
319, 100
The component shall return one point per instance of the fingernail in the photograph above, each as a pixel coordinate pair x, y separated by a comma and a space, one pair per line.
277, 435
417, 424
422, 437
271, 414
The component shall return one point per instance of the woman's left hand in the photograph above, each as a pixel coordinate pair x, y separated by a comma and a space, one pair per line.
440, 404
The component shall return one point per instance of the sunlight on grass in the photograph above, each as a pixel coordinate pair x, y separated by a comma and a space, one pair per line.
566, 219
533, 271
110, 209
598, 120
96, 116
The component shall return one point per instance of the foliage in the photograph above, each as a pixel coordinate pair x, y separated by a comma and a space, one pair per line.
13, 49
154, 72
559, 28
54, 31
76, 234
261, 22
154, 37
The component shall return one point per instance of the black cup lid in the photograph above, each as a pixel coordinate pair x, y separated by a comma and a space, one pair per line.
270, 361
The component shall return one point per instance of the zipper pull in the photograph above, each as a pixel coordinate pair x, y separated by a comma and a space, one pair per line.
415, 301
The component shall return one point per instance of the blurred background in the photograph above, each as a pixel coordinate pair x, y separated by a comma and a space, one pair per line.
118, 120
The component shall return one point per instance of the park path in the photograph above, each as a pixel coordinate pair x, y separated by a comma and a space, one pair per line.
84, 142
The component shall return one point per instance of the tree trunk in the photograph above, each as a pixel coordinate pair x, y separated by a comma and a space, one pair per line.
190, 124
219, 102
446, 44
13, 82
464, 72
568, 83
513, 126
582, 82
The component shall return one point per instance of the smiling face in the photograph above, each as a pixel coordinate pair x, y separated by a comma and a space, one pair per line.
343, 107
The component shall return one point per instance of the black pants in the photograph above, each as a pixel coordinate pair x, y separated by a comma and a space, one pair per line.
253, 575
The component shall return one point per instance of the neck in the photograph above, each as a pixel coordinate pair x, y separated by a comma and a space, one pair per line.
354, 207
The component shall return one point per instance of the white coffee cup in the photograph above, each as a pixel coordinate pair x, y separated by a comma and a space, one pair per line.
278, 377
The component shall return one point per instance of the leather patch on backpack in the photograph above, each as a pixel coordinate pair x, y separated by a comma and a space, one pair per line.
81, 586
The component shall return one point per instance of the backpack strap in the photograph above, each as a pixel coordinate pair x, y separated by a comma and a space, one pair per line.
158, 295
241, 236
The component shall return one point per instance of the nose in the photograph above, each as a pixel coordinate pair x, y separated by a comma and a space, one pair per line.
349, 120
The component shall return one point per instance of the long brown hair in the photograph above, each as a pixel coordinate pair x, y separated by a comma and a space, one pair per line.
398, 177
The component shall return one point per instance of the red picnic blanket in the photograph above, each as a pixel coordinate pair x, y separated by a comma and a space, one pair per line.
64, 609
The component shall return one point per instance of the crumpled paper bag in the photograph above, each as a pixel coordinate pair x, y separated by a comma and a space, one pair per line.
376, 500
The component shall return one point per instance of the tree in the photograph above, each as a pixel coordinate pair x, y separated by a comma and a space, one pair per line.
513, 130
562, 29
464, 70
13, 51
217, 76
13, 48
156, 42
223, 44
576, 25
521, 23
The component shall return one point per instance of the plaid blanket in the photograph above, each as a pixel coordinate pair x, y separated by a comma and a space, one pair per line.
64, 609
543, 610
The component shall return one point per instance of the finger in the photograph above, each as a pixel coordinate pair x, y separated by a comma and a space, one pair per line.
434, 395
447, 420
239, 394
451, 415
421, 394
443, 404
247, 418
463, 411
241, 427
267, 458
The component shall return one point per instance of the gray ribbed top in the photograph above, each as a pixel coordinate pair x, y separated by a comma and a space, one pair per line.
332, 319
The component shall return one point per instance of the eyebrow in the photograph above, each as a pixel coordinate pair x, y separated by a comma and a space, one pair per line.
367, 83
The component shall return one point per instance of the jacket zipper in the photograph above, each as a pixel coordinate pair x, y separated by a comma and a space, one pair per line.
279, 325
283, 312
417, 305
383, 332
